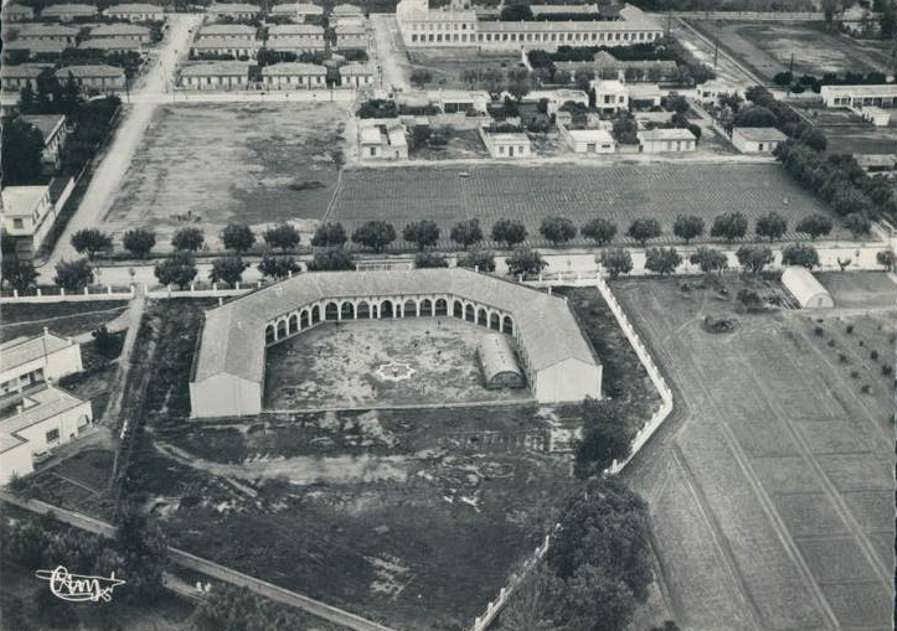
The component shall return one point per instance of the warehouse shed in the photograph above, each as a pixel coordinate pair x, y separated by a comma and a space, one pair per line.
808, 291
500, 368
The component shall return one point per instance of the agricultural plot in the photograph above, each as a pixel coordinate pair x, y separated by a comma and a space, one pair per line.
529, 194
783, 463
209, 165
846, 131
860, 289
767, 48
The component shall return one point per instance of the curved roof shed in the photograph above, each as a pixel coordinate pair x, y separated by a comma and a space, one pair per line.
808, 291
500, 368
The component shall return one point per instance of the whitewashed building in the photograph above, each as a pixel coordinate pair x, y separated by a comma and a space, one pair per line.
294, 76
236, 11
610, 95
382, 141
68, 12
45, 33
506, 145
134, 32
297, 11
136, 12
237, 48
99, 77
454, 101
295, 45
351, 36
310, 33
215, 75
808, 291
355, 76
666, 140
588, 141
28, 215
14, 78
27, 361
111, 45
882, 95
757, 139
53, 128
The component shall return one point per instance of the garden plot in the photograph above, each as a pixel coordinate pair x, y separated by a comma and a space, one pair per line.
210, 165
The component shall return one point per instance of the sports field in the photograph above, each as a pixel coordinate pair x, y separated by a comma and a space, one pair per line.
772, 487
531, 193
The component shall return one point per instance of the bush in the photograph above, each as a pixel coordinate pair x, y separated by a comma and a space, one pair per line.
818, 331
842, 358
873, 355
866, 388
849, 329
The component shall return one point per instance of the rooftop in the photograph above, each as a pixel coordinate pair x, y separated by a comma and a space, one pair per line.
304, 8
215, 30
19, 201
289, 43
226, 42
592, 135
235, 7
111, 30
760, 134
39, 405
216, 69
295, 29
34, 29
110, 43
17, 9
24, 71
35, 47
347, 9
293, 68
47, 124
665, 133
22, 350
889, 89
354, 69
134, 7
97, 70
69, 9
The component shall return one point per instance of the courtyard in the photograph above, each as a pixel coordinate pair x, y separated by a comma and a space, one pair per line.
428, 361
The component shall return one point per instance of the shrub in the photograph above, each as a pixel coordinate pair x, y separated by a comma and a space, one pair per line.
818, 331
842, 358
854, 374
873, 355
849, 329
866, 389
831, 343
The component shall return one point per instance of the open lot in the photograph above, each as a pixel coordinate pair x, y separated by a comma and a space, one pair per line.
398, 362
767, 48
447, 64
772, 496
860, 289
846, 131
530, 193
62, 318
210, 165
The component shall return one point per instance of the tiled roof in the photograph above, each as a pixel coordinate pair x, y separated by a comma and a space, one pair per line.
665, 133
226, 42
295, 29
22, 350
134, 7
233, 338
36, 46
232, 8
303, 8
45, 30
290, 43
347, 9
293, 69
113, 30
760, 134
216, 69
217, 30
69, 9
24, 71
45, 123
110, 43
98, 70
354, 69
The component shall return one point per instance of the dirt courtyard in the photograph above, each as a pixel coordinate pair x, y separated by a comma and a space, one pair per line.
382, 363
212, 164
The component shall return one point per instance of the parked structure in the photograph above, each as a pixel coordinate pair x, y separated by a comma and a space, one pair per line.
215, 75
498, 363
28, 361
808, 291
294, 75
666, 140
882, 95
136, 12
757, 139
28, 215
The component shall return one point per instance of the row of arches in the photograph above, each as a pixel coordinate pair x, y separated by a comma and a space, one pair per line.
339, 310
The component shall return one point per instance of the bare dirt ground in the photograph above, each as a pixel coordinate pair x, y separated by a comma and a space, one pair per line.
447, 64
209, 165
336, 365
771, 487
860, 289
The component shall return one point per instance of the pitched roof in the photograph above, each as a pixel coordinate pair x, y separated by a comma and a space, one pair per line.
760, 134
354, 69
97, 70
293, 69
233, 337
19, 201
223, 7
216, 69
226, 42
665, 133
24, 71
110, 43
34, 29
69, 9
17, 9
134, 7
290, 43
47, 124
23, 350
303, 8
347, 9
36, 47
217, 30
113, 30
295, 29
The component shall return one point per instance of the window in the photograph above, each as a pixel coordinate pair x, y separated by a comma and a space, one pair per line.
760, 146
53, 436
18, 223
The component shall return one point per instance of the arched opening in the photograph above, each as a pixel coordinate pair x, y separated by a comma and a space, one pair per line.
331, 311
509, 325
269, 334
470, 313
315, 314
426, 307
457, 309
410, 309
482, 317
281, 329
347, 309
303, 319
386, 309
364, 310
441, 307
495, 322
294, 324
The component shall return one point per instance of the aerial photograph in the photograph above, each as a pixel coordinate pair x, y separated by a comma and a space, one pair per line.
448, 315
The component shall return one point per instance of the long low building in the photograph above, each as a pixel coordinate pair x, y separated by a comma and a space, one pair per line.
228, 375
882, 95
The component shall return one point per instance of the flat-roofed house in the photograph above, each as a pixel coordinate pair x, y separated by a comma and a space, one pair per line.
215, 75
111, 45
382, 141
237, 11
136, 12
453, 101
666, 140
36, 47
232, 31
237, 48
881, 95
757, 139
28, 361
506, 144
296, 45
351, 36
14, 78
808, 291
47, 33
70, 11
52, 127
294, 75
98, 77
588, 141
644, 94
28, 215
36, 423
555, 99
134, 32
13, 12
355, 76
611, 95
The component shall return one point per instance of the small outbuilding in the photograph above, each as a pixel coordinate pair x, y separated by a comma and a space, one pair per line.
499, 365
757, 139
809, 292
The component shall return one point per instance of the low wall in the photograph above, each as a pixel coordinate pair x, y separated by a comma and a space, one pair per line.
57, 294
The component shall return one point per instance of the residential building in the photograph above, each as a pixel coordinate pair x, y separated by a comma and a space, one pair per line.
69, 12
36, 423
666, 140
605, 66
297, 11
555, 98
452, 101
225, 31
294, 75
52, 127
382, 141
610, 95
347, 15
13, 12
882, 95
136, 12
877, 162
14, 78
355, 76
29, 361
94, 78
45, 33
111, 45
311, 33
351, 36
809, 292
28, 215
236, 48
215, 75
506, 144
35, 47
295, 45
134, 32
644, 95
710, 91
588, 141
757, 139
236, 11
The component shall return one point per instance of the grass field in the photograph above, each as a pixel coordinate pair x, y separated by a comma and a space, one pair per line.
767, 48
529, 194
770, 501
846, 131
210, 165
340, 366
62, 318
860, 289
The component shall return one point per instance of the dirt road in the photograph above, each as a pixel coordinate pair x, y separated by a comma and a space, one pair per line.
389, 53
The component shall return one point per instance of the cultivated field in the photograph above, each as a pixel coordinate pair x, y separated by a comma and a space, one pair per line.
531, 193
209, 165
397, 362
772, 489
847, 132
767, 48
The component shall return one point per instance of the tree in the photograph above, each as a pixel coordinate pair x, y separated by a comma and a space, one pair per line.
600, 230
709, 260
519, 83
525, 261
557, 229
509, 232
480, 260
105, 343
20, 274
91, 241
729, 226
228, 269
643, 229
662, 261
429, 259
284, 236
73, 276
375, 235
771, 226
887, 259
421, 233
421, 77
139, 241
754, 258
858, 224
800, 254
516, 12
814, 139
467, 233
688, 227
815, 225
238, 237
278, 266
533, 601
22, 150
144, 550
329, 235
330, 260
179, 269
616, 261
756, 116
188, 239
605, 438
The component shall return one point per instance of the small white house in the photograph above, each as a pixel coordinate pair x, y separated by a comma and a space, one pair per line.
68, 12
644, 94
453, 101
355, 76
99, 77
237, 48
134, 32
28, 361
588, 141
351, 36
226, 31
237, 11
28, 215
673, 140
808, 291
384, 141
14, 78
506, 145
611, 96
53, 128
757, 139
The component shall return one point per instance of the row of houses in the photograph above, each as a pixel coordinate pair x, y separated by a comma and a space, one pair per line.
133, 12
239, 40
235, 75
341, 14
101, 78
63, 34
